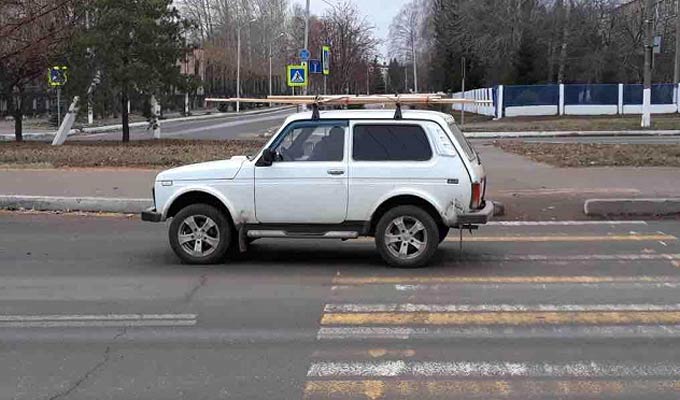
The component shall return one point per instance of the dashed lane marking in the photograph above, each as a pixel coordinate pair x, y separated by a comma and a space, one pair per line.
504, 318
96, 320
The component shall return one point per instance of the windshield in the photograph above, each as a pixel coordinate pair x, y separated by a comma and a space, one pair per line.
460, 137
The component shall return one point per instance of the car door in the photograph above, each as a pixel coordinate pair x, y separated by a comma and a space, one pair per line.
308, 181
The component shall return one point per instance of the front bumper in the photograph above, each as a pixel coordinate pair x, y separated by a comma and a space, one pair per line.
151, 215
478, 217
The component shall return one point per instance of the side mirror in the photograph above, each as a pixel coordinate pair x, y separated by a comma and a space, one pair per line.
267, 159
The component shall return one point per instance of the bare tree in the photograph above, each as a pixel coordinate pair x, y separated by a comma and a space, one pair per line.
406, 35
354, 46
33, 33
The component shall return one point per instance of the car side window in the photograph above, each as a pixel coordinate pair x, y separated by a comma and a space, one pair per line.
390, 142
312, 143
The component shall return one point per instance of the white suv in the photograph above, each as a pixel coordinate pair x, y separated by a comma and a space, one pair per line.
403, 178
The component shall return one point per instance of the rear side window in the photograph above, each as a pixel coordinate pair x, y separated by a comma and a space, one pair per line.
390, 143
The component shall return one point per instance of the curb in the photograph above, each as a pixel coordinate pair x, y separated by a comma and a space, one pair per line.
87, 204
548, 134
632, 207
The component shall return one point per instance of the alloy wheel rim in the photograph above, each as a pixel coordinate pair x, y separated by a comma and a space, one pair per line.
198, 235
406, 237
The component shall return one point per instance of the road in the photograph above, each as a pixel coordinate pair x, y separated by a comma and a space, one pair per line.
229, 127
98, 307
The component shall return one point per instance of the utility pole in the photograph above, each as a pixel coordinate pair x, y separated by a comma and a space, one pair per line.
649, 48
306, 40
368, 79
405, 78
462, 106
238, 57
415, 66
676, 75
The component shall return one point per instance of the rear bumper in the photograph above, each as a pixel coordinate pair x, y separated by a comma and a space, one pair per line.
151, 215
479, 217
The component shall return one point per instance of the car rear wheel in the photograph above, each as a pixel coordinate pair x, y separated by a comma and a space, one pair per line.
407, 237
200, 234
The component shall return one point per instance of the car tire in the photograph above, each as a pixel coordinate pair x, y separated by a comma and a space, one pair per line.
200, 234
407, 237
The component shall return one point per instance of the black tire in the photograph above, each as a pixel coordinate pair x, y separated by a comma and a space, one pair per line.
428, 235
443, 233
221, 230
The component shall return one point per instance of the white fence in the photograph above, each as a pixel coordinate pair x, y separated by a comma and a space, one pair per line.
537, 100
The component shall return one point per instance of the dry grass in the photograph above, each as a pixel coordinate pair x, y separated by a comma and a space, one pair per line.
474, 123
596, 155
141, 154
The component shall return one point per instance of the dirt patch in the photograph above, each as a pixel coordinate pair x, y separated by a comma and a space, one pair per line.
567, 123
140, 154
596, 155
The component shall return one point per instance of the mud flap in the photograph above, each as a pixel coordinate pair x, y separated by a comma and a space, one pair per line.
242, 239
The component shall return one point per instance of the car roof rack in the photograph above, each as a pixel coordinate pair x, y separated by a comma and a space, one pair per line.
315, 102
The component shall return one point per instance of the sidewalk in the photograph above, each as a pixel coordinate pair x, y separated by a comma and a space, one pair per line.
529, 190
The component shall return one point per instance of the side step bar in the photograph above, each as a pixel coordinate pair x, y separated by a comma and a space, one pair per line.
303, 235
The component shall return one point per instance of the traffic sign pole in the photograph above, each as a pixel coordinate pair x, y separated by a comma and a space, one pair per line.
58, 105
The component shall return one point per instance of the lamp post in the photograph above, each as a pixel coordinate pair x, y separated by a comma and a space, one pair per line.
270, 62
238, 58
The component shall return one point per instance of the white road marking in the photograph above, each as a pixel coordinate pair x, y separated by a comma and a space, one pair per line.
541, 286
96, 320
91, 317
493, 369
471, 332
96, 324
445, 308
563, 223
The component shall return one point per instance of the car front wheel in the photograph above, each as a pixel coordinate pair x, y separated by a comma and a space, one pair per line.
407, 237
200, 234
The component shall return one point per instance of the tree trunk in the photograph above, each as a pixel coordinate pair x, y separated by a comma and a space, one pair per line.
18, 126
18, 115
126, 117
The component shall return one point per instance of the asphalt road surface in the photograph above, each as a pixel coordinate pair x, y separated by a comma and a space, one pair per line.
99, 308
228, 127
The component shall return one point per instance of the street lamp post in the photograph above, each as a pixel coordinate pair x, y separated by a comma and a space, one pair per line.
271, 92
238, 58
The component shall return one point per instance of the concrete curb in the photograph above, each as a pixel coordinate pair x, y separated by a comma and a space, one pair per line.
540, 134
89, 204
632, 207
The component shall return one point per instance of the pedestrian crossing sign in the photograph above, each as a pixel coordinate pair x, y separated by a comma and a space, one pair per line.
297, 75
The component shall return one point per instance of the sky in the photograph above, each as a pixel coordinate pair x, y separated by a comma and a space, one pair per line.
378, 12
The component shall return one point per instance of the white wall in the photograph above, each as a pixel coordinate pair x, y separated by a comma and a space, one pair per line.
591, 110
530, 111
656, 109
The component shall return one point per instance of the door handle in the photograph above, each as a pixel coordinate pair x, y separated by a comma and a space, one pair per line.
336, 172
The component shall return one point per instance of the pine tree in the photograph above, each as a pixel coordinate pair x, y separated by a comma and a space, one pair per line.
134, 47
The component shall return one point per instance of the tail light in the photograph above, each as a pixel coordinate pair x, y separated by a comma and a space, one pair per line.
476, 200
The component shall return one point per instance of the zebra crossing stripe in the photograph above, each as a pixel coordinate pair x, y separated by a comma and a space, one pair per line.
474, 388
